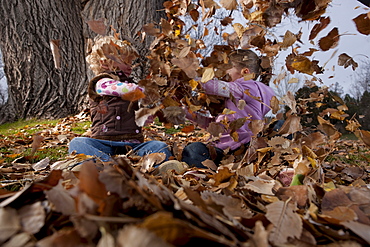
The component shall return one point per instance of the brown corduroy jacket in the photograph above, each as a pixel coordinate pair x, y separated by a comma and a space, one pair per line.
112, 117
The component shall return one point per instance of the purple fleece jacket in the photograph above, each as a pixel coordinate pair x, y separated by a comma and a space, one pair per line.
254, 109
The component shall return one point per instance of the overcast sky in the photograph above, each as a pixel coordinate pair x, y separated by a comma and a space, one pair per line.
351, 42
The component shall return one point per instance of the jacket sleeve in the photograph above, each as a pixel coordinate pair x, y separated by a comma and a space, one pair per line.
110, 87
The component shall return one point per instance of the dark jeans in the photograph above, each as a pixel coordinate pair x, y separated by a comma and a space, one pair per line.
197, 152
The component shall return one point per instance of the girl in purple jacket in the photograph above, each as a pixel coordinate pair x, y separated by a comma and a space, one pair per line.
256, 95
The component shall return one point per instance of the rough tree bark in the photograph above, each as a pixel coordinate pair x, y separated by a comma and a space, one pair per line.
127, 18
35, 87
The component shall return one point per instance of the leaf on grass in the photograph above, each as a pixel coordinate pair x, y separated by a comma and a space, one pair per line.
41, 165
287, 223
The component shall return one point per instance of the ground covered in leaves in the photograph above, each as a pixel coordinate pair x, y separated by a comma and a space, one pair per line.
309, 190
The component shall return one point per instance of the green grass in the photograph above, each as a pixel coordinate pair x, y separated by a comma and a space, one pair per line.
28, 126
17, 139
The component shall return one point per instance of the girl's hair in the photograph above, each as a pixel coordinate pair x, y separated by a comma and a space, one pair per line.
108, 49
246, 59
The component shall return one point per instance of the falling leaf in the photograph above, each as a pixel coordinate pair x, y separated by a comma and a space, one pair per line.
229, 4
54, 45
330, 41
98, 26
188, 64
208, 74
36, 144
133, 95
363, 24
323, 23
215, 129
345, 61
289, 40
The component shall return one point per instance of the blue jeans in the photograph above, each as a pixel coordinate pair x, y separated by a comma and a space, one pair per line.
197, 152
104, 149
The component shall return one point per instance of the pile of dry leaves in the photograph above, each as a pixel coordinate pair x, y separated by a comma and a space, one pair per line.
278, 192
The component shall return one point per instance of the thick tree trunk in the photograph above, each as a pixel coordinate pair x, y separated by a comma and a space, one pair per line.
35, 87
127, 17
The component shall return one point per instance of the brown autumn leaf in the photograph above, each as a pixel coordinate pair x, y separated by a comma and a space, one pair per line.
262, 186
98, 26
360, 229
188, 64
222, 175
54, 45
226, 21
229, 4
323, 23
32, 217
364, 136
287, 223
302, 64
275, 104
289, 40
330, 41
133, 95
345, 61
10, 223
363, 24
291, 125
194, 14
150, 29
36, 144
139, 236
328, 128
215, 129
90, 183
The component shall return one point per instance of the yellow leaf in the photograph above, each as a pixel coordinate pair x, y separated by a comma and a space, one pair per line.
208, 74
293, 80
193, 83
228, 111
329, 186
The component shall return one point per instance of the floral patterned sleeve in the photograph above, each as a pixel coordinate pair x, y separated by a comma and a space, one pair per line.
110, 87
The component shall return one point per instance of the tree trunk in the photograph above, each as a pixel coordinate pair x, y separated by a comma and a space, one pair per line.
127, 17
36, 89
